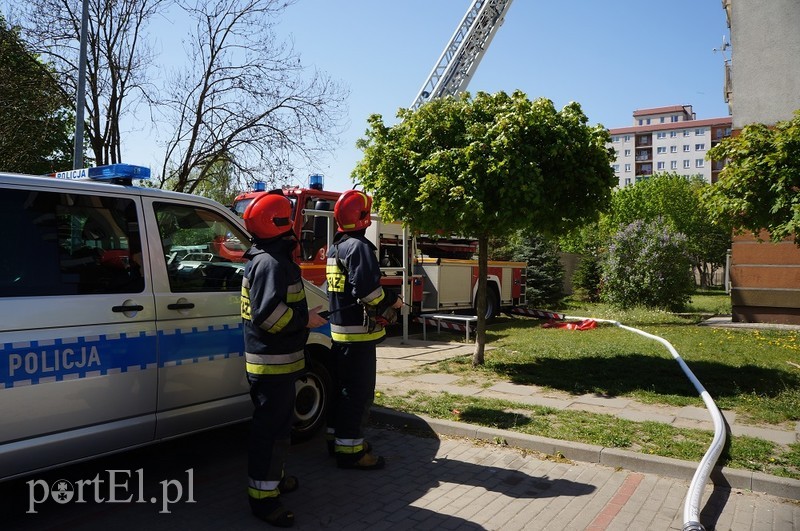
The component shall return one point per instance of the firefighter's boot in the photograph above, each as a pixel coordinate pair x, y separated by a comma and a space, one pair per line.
272, 511
360, 461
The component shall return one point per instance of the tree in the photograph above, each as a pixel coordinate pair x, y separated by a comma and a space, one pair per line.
35, 118
118, 61
678, 200
244, 98
759, 187
544, 274
487, 166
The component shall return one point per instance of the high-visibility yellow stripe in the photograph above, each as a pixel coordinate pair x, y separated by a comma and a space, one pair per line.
262, 494
374, 297
356, 337
263, 368
244, 304
349, 449
296, 297
335, 277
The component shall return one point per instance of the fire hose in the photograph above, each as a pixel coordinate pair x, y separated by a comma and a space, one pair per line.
691, 509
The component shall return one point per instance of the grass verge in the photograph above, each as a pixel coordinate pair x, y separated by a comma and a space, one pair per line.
753, 372
604, 430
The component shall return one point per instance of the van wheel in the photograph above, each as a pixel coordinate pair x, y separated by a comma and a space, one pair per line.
313, 396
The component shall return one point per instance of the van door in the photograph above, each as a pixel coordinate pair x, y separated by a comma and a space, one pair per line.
198, 266
77, 335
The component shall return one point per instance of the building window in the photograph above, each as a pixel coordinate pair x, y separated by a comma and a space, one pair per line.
627, 152
628, 168
627, 181
662, 119
673, 149
687, 164
699, 163
699, 132
699, 147
627, 138
661, 149
641, 122
616, 168
686, 147
674, 118
647, 121
660, 165
673, 134
673, 165
662, 134
615, 139
686, 132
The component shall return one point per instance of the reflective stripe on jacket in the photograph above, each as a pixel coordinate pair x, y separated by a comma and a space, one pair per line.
274, 310
353, 274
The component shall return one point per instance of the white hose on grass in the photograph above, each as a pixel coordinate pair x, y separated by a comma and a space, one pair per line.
691, 508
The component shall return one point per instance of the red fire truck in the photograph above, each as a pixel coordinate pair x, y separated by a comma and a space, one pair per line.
443, 274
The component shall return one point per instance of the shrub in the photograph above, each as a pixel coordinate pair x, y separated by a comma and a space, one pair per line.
647, 264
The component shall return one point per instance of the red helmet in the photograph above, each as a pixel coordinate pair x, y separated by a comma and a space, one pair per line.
268, 215
352, 211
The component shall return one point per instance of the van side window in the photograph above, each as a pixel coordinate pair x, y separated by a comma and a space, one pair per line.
68, 244
203, 250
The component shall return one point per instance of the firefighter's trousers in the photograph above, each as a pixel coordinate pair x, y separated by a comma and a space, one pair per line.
356, 365
270, 434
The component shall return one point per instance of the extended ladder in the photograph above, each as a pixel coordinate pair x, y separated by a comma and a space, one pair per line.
462, 55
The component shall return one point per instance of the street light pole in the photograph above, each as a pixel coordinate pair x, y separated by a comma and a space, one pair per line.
80, 99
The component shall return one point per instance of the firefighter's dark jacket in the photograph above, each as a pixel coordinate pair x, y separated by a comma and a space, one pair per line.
274, 310
354, 282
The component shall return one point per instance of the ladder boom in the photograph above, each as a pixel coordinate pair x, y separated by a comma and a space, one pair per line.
460, 58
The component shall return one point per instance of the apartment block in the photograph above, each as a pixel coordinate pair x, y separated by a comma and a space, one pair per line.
667, 140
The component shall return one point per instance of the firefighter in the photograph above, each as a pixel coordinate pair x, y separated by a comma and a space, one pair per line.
276, 325
357, 305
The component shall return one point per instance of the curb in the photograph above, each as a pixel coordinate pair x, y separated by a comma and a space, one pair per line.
725, 477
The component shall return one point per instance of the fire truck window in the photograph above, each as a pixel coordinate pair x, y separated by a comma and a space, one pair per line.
203, 250
69, 244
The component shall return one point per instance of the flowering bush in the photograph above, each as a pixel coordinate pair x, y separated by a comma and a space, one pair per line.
647, 264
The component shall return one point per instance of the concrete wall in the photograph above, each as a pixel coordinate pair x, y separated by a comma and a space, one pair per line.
765, 60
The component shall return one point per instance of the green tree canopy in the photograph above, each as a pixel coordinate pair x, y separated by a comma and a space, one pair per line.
678, 201
36, 121
487, 165
759, 188
492, 164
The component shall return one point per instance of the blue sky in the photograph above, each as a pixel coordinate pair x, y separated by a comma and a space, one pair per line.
612, 57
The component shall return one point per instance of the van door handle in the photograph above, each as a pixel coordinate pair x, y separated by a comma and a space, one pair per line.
127, 308
181, 306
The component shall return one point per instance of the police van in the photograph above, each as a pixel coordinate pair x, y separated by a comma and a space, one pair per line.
121, 319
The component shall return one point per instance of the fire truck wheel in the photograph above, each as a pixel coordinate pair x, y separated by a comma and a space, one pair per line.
492, 302
314, 393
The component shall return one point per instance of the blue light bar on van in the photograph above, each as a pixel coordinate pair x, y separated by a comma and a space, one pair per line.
119, 171
259, 186
109, 172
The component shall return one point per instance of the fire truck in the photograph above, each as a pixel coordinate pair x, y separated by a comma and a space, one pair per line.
443, 273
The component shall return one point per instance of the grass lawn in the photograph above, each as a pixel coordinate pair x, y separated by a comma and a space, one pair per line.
755, 373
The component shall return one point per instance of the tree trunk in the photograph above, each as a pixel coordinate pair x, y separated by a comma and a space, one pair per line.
480, 298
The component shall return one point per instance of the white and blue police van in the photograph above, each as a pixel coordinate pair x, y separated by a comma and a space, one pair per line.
121, 319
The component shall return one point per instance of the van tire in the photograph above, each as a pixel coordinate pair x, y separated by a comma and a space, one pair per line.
314, 395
